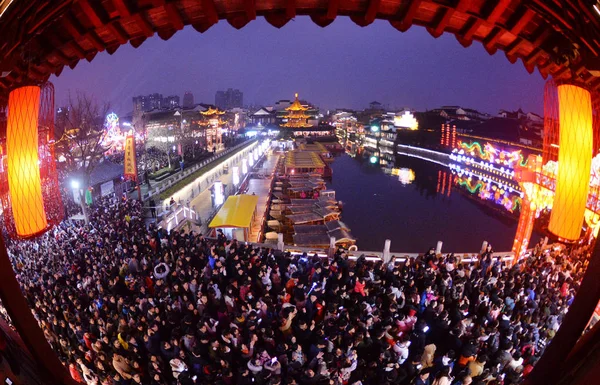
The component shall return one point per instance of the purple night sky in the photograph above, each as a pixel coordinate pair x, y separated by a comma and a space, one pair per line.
340, 66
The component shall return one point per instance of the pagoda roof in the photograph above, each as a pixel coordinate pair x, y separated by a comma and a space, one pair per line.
212, 111
263, 112
296, 106
303, 159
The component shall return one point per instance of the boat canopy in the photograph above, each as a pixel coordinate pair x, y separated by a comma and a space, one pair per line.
310, 229
304, 218
311, 240
237, 211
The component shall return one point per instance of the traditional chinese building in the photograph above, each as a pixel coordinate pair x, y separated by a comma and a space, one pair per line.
296, 116
212, 120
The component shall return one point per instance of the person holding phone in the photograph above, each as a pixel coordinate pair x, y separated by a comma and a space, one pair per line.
273, 366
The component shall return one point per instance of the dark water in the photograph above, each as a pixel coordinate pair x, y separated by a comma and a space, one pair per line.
377, 206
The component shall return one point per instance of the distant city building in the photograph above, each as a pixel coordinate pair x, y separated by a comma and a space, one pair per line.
232, 98
201, 126
171, 102
476, 115
345, 124
520, 114
460, 113
148, 102
452, 112
515, 127
188, 100
155, 101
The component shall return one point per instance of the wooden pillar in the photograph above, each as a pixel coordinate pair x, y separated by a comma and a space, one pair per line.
582, 308
331, 251
16, 305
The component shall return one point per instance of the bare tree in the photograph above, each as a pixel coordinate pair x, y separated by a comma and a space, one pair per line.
82, 135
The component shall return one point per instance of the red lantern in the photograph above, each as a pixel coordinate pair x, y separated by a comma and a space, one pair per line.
30, 193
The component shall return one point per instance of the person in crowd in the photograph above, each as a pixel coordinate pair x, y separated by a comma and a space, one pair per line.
152, 205
122, 302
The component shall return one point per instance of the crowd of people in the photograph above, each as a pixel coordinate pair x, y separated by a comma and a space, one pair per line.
125, 303
151, 159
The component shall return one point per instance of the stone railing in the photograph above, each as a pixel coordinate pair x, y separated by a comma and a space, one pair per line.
385, 254
398, 257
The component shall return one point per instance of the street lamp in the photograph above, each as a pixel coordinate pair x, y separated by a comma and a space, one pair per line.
76, 186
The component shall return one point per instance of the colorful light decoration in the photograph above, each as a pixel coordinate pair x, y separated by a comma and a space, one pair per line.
501, 180
490, 153
574, 159
407, 120
112, 121
114, 138
441, 182
510, 200
592, 219
448, 135
442, 136
30, 192
524, 229
244, 166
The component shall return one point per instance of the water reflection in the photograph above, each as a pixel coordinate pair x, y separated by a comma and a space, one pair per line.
405, 175
416, 202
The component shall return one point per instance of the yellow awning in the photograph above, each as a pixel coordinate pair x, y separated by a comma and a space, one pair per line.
236, 212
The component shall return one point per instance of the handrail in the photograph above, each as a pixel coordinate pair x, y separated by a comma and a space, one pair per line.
174, 211
378, 255
171, 180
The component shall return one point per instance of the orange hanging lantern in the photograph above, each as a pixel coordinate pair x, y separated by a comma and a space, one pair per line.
30, 192
569, 107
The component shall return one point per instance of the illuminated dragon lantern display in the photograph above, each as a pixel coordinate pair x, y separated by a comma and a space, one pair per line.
488, 171
563, 182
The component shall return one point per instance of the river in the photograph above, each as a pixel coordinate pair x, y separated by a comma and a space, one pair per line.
415, 213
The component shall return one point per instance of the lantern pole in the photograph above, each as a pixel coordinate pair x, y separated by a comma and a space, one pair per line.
31, 334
